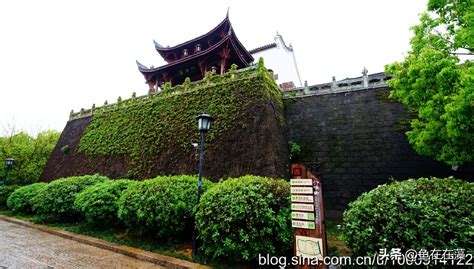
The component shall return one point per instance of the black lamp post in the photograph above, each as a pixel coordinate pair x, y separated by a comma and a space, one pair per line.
9, 162
204, 124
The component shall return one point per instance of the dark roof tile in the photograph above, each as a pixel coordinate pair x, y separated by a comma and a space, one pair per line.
262, 48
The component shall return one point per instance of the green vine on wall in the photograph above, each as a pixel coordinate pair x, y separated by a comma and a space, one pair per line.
142, 129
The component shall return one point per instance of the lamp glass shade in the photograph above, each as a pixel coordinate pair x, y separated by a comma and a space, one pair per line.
204, 122
9, 162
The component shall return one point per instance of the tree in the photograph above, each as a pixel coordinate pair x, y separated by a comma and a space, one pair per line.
433, 82
30, 154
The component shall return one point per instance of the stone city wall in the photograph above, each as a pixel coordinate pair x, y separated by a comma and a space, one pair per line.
354, 139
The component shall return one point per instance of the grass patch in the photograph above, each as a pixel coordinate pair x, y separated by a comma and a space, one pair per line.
180, 250
119, 236
9, 213
337, 245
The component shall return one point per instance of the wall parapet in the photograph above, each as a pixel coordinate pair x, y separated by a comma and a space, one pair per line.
377, 80
141, 138
355, 140
178, 89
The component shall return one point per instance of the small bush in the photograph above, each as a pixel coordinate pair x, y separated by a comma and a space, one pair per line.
64, 150
162, 207
98, 203
295, 150
20, 199
56, 200
413, 214
5, 191
242, 217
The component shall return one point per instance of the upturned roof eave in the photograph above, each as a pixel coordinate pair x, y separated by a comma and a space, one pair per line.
241, 48
147, 71
161, 50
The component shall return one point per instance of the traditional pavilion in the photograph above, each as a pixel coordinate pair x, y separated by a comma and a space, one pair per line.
214, 51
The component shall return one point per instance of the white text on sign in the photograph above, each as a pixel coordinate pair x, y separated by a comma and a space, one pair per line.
302, 224
302, 207
304, 190
301, 182
302, 215
302, 198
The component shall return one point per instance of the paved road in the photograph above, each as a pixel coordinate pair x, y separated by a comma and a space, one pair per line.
23, 247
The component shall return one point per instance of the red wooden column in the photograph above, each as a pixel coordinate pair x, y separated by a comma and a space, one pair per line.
307, 217
166, 77
202, 68
151, 86
225, 53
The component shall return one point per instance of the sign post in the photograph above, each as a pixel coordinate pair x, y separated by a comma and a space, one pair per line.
307, 217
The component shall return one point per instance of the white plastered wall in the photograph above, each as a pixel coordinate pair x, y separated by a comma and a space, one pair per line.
281, 59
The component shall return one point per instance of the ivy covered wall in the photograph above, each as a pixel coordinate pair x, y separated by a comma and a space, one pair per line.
145, 137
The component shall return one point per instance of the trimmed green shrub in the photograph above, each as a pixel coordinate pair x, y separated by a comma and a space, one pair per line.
98, 203
242, 217
56, 200
20, 199
162, 207
413, 214
5, 191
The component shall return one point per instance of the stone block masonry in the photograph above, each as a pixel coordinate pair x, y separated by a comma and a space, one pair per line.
143, 137
349, 133
355, 141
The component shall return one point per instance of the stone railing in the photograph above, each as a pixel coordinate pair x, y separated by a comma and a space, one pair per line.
90, 111
349, 84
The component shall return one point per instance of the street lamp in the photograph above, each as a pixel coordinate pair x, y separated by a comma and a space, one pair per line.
9, 162
204, 124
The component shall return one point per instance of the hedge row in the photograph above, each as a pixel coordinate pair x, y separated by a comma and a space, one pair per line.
21, 199
56, 200
98, 203
243, 217
239, 218
5, 192
426, 213
163, 206
236, 218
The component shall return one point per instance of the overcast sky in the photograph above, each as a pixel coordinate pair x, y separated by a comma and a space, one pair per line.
61, 55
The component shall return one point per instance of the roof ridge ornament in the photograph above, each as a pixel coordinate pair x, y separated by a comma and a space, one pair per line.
279, 39
365, 77
227, 14
140, 66
157, 45
365, 71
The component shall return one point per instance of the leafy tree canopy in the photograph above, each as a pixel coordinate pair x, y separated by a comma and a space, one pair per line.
437, 85
30, 154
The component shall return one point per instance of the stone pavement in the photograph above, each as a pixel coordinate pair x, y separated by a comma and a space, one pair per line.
23, 247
